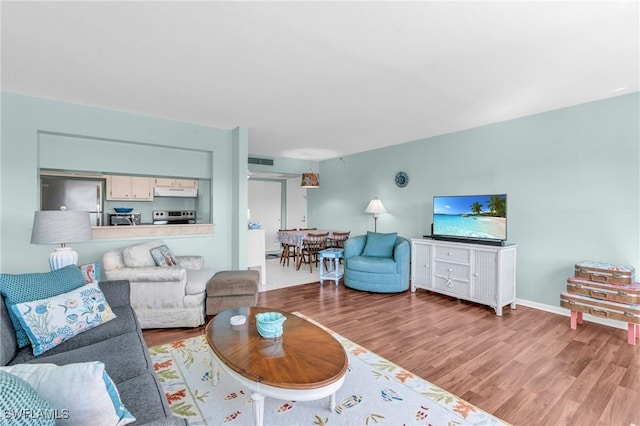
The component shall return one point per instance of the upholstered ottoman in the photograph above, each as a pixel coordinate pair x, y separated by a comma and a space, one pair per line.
232, 289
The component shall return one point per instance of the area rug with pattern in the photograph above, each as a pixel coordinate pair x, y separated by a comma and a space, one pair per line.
375, 392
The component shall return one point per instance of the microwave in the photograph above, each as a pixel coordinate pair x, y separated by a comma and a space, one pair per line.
123, 219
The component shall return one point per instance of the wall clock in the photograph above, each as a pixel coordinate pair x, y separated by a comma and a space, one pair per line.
402, 179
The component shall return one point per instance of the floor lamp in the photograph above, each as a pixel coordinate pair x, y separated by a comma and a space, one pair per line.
375, 206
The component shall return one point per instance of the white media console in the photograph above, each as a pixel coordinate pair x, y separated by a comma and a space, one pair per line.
479, 273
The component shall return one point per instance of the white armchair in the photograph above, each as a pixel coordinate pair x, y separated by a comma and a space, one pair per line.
161, 296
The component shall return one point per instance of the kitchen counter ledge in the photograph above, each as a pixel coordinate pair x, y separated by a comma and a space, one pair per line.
113, 232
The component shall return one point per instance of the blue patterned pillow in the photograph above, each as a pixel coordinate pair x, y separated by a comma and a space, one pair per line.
26, 287
18, 396
49, 322
163, 256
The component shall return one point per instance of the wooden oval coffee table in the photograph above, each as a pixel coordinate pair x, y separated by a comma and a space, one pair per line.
306, 363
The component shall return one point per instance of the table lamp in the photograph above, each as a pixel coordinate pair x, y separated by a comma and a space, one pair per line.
61, 227
375, 206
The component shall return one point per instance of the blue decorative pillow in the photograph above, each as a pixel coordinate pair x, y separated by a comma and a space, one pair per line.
81, 393
49, 322
26, 287
379, 245
91, 272
163, 256
18, 396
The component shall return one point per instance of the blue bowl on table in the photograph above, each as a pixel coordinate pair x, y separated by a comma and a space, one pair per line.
123, 209
269, 324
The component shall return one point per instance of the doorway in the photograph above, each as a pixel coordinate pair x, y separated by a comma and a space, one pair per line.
296, 207
277, 204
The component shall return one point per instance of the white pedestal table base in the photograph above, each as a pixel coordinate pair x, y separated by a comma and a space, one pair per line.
260, 391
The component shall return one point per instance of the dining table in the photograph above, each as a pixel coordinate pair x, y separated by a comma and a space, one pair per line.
295, 238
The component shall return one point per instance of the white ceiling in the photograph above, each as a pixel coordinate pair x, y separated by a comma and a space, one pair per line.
317, 80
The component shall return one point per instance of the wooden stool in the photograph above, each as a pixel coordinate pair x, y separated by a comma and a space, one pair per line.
232, 289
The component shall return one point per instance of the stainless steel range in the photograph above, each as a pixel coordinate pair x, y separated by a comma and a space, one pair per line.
174, 217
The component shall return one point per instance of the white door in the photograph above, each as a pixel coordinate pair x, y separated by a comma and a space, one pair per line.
296, 204
265, 206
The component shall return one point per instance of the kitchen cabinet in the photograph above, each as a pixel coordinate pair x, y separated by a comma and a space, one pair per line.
130, 188
176, 183
475, 272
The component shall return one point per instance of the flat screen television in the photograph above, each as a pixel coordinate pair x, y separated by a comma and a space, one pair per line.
470, 218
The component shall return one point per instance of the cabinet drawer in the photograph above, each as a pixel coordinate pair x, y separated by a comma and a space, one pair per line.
453, 270
452, 286
453, 254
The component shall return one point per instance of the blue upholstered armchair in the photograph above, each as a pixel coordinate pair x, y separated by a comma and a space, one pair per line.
377, 262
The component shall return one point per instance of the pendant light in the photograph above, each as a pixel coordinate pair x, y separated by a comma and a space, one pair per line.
310, 180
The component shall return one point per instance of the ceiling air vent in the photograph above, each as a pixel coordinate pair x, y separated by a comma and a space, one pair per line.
262, 161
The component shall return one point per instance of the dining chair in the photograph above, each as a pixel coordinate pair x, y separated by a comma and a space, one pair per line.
288, 251
337, 239
311, 246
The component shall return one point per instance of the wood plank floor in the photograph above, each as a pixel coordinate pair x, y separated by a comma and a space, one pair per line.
527, 367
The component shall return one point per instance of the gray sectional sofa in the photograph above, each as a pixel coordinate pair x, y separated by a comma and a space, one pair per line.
118, 344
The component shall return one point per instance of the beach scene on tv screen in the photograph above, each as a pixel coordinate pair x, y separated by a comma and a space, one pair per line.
471, 216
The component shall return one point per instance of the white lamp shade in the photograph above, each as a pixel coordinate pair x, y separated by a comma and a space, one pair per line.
375, 206
61, 227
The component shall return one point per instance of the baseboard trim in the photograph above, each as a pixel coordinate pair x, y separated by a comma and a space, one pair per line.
565, 312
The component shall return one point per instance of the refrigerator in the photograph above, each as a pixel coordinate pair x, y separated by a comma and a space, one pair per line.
74, 194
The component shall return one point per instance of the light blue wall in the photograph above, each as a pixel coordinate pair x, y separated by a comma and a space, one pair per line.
117, 141
571, 175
